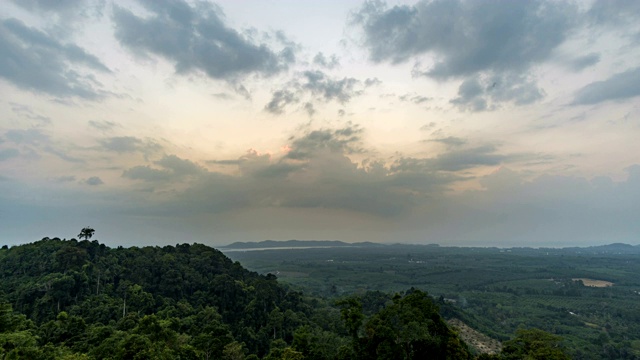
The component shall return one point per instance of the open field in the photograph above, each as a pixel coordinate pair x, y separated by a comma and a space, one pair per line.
594, 283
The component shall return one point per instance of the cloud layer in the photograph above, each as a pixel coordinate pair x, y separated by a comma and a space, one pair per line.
196, 39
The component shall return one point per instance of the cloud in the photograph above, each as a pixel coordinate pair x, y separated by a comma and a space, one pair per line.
459, 156
64, 179
62, 155
196, 39
122, 144
456, 160
224, 162
33, 141
450, 141
465, 37
319, 172
103, 125
147, 173
129, 144
173, 168
372, 82
614, 13
548, 210
318, 83
94, 181
309, 108
28, 112
328, 63
346, 140
178, 166
491, 45
317, 86
6, 154
63, 16
279, 100
414, 98
27, 136
486, 93
620, 86
32, 60
582, 62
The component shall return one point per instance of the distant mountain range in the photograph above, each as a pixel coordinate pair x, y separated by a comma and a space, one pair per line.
268, 244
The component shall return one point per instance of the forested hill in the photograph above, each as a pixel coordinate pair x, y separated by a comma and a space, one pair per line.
81, 299
69, 299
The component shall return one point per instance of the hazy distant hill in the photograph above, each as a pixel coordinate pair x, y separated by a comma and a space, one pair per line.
294, 243
616, 248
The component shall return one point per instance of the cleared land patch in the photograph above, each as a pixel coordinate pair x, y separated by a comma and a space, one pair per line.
594, 283
477, 340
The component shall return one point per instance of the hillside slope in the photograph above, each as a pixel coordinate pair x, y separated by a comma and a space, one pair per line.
69, 299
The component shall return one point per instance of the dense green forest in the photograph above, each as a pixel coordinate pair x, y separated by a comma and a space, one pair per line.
70, 299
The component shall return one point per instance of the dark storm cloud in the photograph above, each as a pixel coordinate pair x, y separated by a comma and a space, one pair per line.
620, 86
465, 36
196, 39
33, 60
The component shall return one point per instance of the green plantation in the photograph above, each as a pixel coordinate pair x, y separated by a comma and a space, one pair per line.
495, 291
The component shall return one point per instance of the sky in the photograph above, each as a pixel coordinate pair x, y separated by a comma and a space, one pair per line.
467, 123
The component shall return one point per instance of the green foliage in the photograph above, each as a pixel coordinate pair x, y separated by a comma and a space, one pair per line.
83, 300
86, 233
534, 344
410, 328
495, 291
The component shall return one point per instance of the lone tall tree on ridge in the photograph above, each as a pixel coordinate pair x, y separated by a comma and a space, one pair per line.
86, 233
